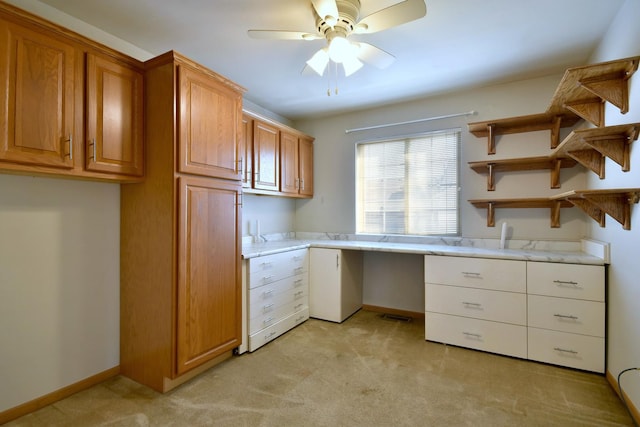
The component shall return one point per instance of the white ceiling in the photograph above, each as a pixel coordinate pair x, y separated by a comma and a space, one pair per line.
459, 44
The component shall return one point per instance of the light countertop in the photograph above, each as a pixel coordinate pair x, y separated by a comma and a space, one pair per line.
252, 250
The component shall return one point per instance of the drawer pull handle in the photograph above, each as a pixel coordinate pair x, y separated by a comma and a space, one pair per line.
472, 335
299, 319
566, 282
267, 321
566, 316
564, 350
297, 283
267, 308
298, 294
472, 274
268, 293
266, 264
297, 307
298, 270
266, 337
472, 304
267, 278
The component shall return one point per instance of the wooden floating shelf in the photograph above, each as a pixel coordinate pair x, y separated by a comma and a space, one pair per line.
490, 167
584, 90
492, 204
520, 124
589, 147
596, 203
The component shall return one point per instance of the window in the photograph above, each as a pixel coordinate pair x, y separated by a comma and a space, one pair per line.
408, 185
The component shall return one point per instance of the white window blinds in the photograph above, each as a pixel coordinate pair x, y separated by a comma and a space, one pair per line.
408, 185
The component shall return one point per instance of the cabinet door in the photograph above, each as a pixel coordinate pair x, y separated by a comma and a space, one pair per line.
114, 117
266, 153
324, 284
289, 178
210, 120
306, 166
246, 163
209, 275
40, 110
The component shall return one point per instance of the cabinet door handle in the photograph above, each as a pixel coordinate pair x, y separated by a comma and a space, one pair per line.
471, 304
564, 350
472, 335
566, 316
93, 145
337, 261
70, 141
565, 283
472, 274
302, 184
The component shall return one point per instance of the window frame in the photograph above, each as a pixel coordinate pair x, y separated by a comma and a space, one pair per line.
430, 133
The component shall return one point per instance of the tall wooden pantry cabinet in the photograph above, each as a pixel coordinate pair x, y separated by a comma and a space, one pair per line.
181, 238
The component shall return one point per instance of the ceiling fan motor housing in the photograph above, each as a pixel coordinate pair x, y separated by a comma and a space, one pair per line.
348, 14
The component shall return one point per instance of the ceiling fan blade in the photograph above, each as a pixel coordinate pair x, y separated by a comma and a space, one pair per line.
282, 35
398, 14
374, 56
326, 8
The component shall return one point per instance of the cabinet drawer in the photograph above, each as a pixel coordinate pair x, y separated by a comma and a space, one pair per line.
572, 350
273, 292
272, 314
496, 274
566, 315
508, 307
271, 268
482, 335
566, 280
259, 339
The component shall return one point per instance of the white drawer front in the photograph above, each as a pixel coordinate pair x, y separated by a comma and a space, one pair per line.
496, 274
566, 280
262, 337
482, 335
567, 315
508, 307
572, 350
271, 268
273, 314
271, 292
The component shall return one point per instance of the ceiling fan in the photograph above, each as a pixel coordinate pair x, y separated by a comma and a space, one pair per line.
336, 20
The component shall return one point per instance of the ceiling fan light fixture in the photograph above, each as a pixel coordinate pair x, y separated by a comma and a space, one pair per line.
319, 61
341, 49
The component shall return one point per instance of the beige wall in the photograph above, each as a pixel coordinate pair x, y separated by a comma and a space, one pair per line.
59, 284
623, 346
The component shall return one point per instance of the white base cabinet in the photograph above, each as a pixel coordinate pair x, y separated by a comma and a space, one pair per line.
335, 283
277, 295
548, 312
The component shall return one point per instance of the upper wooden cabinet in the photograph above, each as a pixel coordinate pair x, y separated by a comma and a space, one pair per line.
42, 98
210, 124
289, 163
47, 73
266, 156
279, 159
114, 117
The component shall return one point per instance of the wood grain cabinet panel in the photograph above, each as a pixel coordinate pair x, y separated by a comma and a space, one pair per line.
289, 164
114, 117
266, 156
210, 126
209, 307
40, 108
306, 166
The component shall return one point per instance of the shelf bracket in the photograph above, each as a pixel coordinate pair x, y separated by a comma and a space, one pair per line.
491, 215
616, 147
592, 110
555, 173
555, 131
555, 214
590, 209
613, 88
491, 138
491, 179
590, 159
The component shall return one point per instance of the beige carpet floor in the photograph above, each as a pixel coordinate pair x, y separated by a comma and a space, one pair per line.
367, 371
